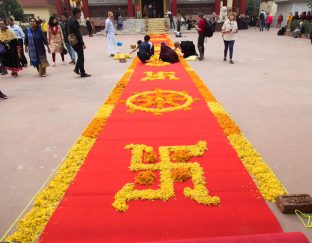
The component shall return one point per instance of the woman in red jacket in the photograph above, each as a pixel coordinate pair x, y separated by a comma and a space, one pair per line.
269, 21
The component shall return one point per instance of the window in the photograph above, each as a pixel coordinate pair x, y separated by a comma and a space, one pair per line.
28, 16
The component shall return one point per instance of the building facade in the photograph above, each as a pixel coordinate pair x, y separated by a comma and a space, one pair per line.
42, 8
141, 9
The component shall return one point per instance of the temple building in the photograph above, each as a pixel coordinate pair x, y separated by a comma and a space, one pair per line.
130, 8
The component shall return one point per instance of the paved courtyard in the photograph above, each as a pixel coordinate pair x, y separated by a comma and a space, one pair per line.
268, 92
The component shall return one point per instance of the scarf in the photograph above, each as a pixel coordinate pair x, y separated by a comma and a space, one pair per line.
32, 49
7, 35
54, 29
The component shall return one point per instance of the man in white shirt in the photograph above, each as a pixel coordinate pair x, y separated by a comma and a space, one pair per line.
17, 30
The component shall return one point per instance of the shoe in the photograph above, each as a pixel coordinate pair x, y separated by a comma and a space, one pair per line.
112, 55
53, 65
85, 75
3, 96
76, 72
200, 59
14, 74
231, 61
224, 59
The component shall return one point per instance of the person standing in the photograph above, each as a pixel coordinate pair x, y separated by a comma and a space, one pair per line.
214, 21
35, 41
170, 16
201, 35
17, 30
269, 21
55, 39
279, 21
74, 30
89, 27
262, 20
289, 19
9, 50
64, 26
229, 29
119, 23
110, 34
179, 21
44, 27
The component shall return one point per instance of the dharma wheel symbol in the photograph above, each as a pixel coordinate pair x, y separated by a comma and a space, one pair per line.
159, 101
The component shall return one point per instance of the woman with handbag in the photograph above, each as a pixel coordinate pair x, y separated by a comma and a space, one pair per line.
35, 41
56, 39
9, 50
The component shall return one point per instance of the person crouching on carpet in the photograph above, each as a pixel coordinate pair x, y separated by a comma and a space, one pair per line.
167, 54
146, 49
187, 48
137, 47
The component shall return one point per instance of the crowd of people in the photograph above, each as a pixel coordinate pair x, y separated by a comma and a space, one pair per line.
145, 49
58, 36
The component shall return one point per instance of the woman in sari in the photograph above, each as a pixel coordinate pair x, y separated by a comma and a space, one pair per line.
167, 54
35, 41
55, 39
9, 50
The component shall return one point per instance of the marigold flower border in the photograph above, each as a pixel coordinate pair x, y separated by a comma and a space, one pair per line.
30, 227
46, 201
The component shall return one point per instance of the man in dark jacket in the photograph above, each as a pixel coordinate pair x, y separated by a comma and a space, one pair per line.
74, 29
64, 26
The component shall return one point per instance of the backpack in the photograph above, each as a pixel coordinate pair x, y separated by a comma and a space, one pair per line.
208, 29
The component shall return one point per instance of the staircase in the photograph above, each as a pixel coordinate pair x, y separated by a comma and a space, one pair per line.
156, 26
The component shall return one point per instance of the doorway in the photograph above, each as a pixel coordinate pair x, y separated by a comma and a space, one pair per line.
152, 8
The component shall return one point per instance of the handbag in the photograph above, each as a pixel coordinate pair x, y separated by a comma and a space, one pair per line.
72, 39
3, 50
64, 51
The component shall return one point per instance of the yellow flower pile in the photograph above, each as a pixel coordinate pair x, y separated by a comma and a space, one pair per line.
120, 56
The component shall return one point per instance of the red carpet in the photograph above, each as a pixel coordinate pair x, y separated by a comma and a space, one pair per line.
86, 214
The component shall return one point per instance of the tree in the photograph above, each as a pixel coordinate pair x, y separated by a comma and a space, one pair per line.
253, 7
11, 8
309, 4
